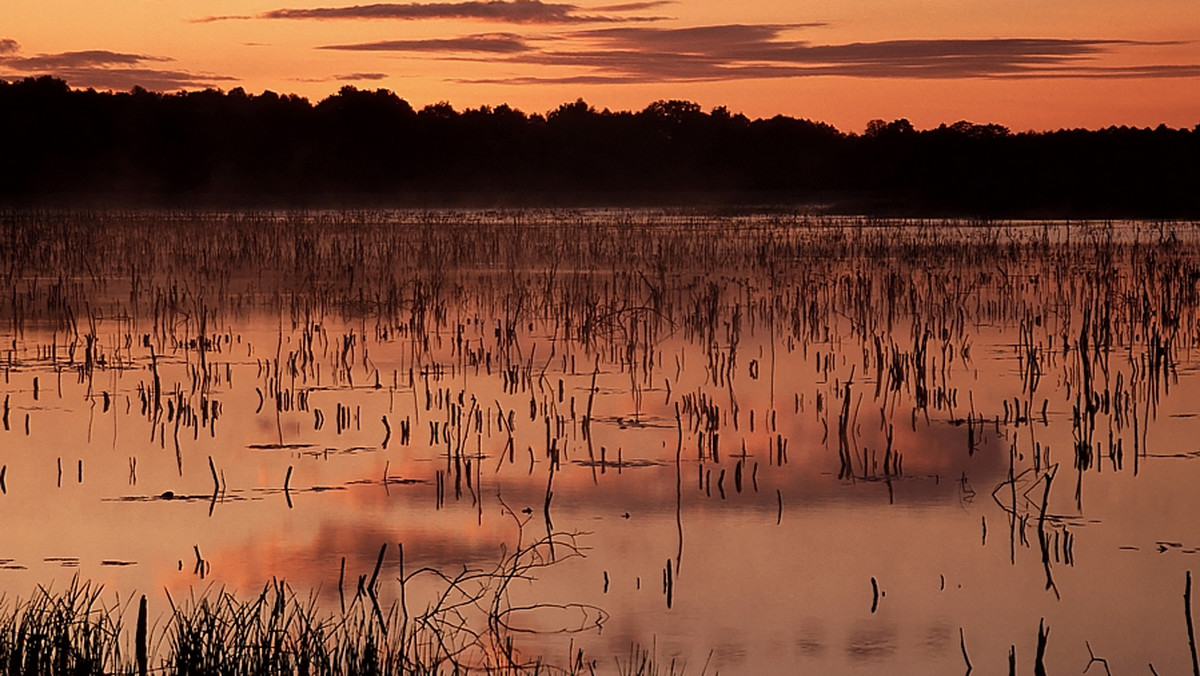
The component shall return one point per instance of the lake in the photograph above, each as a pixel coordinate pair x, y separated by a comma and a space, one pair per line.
633, 441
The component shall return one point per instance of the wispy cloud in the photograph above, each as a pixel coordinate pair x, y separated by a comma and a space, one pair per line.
85, 59
492, 43
500, 11
124, 79
346, 77
633, 6
1157, 71
224, 17
358, 77
103, 69
736, 52
719, 41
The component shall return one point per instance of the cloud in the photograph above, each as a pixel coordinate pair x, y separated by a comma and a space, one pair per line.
85, 59
501, 11
226, 17
353, 77
345, 77
717, 41
103, 69
518, 11
124, 79
633, 6
762, 51
494, 43
1155, 71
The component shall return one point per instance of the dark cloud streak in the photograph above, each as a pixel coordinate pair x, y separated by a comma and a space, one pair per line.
227, 17
633, 6
84, 59
712, 40
345, 77
739, 52
124, 79
522, 11
103, 69
492, 43
502, 11
356, 77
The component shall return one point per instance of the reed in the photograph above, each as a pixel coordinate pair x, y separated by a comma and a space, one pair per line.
866, 329
464, 628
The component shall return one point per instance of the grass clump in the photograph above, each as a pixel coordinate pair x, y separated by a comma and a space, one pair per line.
68, 632
465, 627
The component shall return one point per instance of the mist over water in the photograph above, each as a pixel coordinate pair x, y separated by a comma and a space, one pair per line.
760, 442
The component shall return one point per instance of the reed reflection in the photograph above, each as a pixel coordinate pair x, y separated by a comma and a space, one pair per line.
732, 433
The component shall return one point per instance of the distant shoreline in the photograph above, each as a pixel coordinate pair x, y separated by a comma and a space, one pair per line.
866, 206
366, 149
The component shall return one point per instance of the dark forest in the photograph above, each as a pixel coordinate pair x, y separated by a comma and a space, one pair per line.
211, 148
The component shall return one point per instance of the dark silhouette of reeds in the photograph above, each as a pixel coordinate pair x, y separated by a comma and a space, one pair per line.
465, 627
549, 304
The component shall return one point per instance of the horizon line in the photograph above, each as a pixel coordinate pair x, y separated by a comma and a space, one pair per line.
182, 91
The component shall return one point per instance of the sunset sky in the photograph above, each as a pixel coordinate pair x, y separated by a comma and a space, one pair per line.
1041, 66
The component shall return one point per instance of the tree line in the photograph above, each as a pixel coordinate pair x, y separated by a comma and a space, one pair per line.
66, 146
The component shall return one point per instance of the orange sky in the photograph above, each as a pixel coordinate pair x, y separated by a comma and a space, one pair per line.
1028, 66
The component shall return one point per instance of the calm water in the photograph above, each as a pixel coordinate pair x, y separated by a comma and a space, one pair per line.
852, 446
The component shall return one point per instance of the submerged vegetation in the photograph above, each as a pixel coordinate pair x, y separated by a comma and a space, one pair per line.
599, 368
373, 148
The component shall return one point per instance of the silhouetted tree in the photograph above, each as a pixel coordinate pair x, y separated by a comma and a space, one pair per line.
236, 147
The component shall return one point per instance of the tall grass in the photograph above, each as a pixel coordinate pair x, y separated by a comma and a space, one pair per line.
464, 628
72, 631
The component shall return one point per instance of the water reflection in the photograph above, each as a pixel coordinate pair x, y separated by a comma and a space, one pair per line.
774, 439
938, 639
810, 641
871, 643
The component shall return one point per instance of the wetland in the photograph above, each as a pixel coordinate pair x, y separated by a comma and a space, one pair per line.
607, 440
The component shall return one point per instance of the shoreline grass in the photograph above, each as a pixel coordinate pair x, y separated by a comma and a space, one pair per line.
463, 629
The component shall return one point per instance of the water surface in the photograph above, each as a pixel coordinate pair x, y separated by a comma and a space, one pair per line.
778, 442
